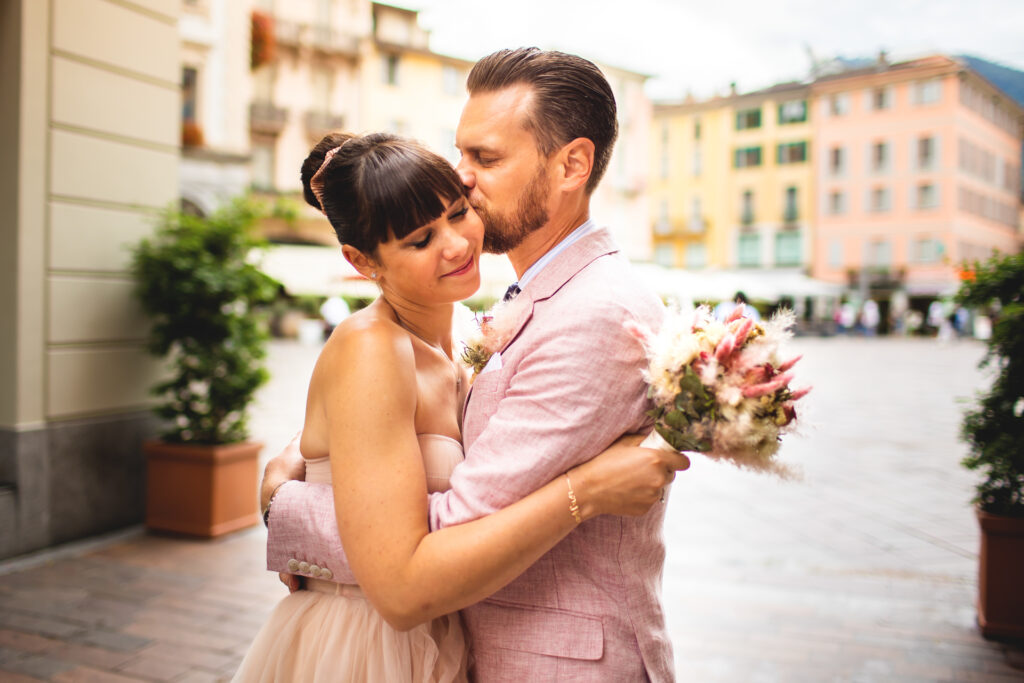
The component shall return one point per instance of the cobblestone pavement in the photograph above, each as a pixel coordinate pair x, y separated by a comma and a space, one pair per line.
863, 570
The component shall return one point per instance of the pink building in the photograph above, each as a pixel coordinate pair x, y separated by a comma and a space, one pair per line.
918, 169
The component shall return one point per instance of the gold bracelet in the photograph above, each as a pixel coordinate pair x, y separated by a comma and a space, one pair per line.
574, 507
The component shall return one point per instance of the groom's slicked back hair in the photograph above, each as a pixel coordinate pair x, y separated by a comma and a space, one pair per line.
571, 99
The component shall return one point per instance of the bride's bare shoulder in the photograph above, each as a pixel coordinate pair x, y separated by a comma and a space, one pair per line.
367, 339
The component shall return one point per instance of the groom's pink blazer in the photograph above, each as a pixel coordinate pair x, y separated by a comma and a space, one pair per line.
566, 386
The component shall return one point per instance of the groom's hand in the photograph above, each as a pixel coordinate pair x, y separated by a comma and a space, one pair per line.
285, 466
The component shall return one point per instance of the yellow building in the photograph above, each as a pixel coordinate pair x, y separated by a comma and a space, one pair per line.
732, 181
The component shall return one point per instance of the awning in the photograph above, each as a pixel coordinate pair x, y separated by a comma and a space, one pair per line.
323, 271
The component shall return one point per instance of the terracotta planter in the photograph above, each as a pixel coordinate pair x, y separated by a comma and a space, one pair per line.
1001, 576
202, 490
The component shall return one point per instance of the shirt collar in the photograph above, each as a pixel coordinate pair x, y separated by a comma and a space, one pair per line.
538, 265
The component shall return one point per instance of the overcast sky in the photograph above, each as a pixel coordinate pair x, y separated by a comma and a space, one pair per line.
702, 46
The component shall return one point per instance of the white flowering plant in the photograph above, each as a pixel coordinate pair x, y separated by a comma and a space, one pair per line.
721, 387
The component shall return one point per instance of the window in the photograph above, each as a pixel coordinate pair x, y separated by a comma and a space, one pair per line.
262, 165
837, 161
696, 255
662, 226
835, 254
749, 118
794, 111
880, 199
390, 64
450, 80
696, 129
749, 249
697, 162
746, 157
839, 104
927, 250
879, 254
881, 98
189, 92
927, 92
664, 165
837, 203
747, 207
790, 212
927, 196
696, 223
322, 80
792, 153
926, 153
787, 248
664, 255
880, 157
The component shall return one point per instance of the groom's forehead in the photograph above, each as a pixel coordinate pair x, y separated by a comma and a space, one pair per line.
496, 112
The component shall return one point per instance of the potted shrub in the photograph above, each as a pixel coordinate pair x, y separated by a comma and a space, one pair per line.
195, 282
994, 430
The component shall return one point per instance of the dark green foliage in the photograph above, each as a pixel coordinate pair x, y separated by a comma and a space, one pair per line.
685, 427
192, 278
995, 428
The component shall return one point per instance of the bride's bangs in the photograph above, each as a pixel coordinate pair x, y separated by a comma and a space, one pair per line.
408, 189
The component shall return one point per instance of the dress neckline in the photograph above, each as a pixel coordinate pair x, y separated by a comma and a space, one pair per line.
423, 435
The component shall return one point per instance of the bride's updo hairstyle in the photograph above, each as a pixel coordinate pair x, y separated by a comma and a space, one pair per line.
377, 187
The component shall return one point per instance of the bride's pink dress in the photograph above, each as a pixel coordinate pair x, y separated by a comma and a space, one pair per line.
330, 632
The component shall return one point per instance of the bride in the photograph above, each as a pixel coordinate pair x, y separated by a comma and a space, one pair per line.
383, 427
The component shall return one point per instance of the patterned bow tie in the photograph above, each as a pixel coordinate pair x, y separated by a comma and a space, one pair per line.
512, 291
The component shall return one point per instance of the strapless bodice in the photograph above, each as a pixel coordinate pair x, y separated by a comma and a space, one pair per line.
440, 456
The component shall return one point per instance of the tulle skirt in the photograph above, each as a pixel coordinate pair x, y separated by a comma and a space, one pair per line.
331, 633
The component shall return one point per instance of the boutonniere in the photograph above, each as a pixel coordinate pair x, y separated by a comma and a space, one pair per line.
493, 330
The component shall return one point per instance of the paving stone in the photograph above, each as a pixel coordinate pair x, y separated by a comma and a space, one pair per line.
112, 640
157, 668
39, 666
12, 677
88, 674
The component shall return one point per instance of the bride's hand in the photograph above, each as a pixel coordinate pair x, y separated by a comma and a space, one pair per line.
625, 479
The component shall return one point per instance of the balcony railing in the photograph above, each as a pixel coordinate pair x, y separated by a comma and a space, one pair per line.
266, 117
697, 224
747, 218
326, 39
320, 123
790, 215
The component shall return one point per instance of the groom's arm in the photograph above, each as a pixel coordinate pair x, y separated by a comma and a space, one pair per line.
576, 390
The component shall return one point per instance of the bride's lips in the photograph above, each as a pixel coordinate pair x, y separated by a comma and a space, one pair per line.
461, 270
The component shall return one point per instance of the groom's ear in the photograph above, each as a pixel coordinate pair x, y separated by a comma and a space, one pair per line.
576, 161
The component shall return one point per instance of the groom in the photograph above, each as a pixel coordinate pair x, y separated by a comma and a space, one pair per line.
536, 135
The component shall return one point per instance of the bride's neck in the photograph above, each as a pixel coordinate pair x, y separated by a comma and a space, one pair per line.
432, 324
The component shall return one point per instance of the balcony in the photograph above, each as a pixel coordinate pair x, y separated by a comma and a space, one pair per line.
790, 216
267, 118
747, 218
320, 123
325, 39
697, 225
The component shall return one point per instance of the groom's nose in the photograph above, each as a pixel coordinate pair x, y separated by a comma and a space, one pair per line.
465, 174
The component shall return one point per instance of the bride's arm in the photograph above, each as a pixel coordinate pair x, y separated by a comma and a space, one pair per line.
411, 575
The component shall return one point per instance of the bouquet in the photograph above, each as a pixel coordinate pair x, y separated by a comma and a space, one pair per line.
719, 387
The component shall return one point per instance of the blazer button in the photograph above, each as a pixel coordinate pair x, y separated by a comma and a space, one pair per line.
293, 565
304, 567
326, 574
314, 571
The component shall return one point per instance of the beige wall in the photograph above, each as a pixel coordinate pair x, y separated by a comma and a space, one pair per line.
22, 212
95, 127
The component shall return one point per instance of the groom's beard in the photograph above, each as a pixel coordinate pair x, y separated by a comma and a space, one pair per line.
503, 232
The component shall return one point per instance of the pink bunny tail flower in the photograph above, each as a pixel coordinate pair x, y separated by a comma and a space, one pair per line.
725, 348
777, 383
736, 314
799, 393
639, 332
743, 330
789, 364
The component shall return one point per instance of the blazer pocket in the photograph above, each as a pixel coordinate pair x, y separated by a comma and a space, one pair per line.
537, 630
